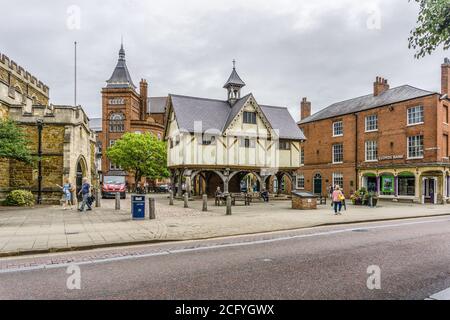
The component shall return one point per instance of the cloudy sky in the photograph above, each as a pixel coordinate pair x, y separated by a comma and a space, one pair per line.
285, 49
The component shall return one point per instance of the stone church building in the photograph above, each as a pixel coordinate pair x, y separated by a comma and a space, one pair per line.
67, 143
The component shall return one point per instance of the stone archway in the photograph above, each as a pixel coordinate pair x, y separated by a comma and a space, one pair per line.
81, 172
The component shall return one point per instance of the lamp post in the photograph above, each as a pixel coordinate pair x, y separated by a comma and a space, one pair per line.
40, 126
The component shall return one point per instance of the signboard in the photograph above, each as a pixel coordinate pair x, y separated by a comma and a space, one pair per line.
393, 157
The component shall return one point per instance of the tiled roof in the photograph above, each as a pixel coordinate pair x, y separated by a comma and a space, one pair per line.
218, 114
367, 102
121, 76
157, 104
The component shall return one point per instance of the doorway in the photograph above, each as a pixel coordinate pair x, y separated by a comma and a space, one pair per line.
430, 190
318, 184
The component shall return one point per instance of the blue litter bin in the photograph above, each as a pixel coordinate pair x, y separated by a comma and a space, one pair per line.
138, 207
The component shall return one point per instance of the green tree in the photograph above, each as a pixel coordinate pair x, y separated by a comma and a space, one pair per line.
141, 154
433, 27
13, 142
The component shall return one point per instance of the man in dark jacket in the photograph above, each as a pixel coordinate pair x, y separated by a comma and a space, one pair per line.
85, 192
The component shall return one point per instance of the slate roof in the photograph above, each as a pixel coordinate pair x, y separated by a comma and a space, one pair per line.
95, 124
234, 79
120, 77
368, 102
218, 114
157, 104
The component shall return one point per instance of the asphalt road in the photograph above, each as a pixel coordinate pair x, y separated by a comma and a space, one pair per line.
320, 263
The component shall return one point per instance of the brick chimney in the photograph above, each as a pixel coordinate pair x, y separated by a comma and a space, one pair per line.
379, 86
305, 109
445, 77
143, 92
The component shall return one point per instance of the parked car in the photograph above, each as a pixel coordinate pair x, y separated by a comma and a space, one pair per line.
112, 185
162, 188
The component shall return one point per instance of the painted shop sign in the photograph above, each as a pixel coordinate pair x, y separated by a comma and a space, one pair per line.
393, 157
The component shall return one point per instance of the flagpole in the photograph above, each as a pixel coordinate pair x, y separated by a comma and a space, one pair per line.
75, 74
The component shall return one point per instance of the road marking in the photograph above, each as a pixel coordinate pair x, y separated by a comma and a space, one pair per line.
443, 295
217, 246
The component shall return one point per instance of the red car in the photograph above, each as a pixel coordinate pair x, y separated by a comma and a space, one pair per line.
112, 185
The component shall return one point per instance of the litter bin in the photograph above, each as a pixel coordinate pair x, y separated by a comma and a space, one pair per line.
138, 207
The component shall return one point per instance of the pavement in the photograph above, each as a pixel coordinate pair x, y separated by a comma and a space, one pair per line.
51, 229
404, 259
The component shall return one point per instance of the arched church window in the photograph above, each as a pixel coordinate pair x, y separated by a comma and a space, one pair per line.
117, 122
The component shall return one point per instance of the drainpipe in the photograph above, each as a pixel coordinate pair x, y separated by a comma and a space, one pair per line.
40, 125
356, 153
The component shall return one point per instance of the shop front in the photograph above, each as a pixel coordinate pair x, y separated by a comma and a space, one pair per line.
420, 185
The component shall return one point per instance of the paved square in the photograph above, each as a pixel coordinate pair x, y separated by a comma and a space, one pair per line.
52, 228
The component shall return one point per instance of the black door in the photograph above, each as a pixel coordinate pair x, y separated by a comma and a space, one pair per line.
318, 184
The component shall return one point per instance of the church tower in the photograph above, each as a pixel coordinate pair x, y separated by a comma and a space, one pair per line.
234, 86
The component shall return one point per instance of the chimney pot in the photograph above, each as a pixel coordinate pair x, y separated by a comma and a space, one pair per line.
305, 108
445, 77
380, 85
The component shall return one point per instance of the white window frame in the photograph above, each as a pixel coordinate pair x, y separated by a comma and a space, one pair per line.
300, 178
373, 150
408, 147
334, 128
336, 176
414, 110
370, 119
333, 153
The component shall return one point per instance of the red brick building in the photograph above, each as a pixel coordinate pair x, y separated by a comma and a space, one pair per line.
392, 141
126, 110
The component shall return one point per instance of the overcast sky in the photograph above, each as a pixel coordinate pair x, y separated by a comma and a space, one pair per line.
325, 50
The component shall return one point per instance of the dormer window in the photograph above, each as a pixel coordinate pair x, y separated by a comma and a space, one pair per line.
249, 117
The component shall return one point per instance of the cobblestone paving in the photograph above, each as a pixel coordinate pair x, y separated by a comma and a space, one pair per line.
44, 229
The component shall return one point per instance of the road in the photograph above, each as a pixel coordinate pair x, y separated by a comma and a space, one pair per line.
319, 263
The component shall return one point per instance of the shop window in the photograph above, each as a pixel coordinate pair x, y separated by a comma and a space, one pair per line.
406, 185
387, 185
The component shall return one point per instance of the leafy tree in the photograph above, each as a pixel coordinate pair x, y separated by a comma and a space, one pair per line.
433, 27
142, 154
13, 142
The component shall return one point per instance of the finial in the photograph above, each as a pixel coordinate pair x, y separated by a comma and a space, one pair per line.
234, 64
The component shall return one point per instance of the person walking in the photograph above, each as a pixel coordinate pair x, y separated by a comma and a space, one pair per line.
67, 193
338, 197
85, 192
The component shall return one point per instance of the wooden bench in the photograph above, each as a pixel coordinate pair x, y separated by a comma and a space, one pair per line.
241, 197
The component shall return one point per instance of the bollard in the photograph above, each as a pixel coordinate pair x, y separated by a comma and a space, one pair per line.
229, 206
97, 198
151, 208
171, 198
205, 203
186, 200
117, 200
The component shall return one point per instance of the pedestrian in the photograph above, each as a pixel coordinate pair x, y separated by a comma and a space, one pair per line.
67, 193
85, 192
337, 197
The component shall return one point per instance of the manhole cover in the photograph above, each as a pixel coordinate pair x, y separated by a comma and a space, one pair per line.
360, 230
267, 260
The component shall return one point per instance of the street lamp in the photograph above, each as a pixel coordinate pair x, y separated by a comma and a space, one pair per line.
40, 126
